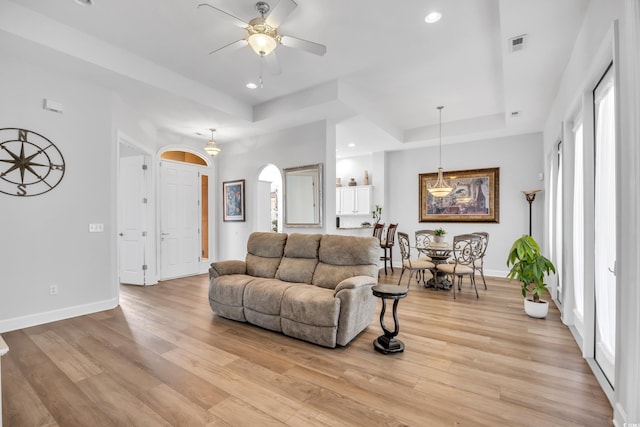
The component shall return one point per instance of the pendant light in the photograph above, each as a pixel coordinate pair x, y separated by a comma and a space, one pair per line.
211, 148
440, 188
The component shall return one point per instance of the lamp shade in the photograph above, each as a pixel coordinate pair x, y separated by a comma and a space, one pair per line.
440, 188
212, 148
262, 44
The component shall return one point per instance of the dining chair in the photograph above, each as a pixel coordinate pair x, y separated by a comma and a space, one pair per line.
387, 247
420, 266
479, 262
466, 248
377, 230
424, 238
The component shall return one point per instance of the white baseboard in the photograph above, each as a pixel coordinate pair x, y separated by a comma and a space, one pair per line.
55, 315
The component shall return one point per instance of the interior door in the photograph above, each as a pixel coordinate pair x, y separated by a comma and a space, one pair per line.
179, 219
131, 235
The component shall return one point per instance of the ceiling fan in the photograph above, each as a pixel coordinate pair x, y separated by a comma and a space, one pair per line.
262, 32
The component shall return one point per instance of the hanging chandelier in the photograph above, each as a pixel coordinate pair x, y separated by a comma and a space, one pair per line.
440, 188
211, 148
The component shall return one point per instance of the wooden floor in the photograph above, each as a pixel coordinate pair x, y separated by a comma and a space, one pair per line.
163, 359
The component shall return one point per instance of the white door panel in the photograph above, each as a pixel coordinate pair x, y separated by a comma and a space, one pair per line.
132, 241
179, 219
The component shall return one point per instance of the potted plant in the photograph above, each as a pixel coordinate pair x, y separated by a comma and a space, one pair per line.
439, 235
376, 214
529, 267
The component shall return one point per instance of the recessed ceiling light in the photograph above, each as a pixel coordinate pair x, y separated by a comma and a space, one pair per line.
432, 17
351, 144
84, 2
251, 85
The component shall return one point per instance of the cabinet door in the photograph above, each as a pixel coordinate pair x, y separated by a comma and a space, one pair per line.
363, 200
348, 202
338, 201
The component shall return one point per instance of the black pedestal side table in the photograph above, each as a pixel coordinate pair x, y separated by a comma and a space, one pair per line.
387, 343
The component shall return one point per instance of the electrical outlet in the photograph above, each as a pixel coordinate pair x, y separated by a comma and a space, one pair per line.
53, 290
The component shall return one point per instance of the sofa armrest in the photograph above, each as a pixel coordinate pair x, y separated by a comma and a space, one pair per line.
222, 268
357, 307
355, 282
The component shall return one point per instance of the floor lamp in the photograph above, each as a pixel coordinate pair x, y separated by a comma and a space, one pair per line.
531, 196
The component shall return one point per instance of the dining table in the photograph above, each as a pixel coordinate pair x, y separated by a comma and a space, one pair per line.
439, 254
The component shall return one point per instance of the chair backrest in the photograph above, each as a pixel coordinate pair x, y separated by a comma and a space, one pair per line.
485, 241
391, 234
466, 248
424, 238
377, 230
405, 248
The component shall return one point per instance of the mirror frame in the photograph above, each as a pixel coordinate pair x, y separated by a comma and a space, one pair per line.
314, 171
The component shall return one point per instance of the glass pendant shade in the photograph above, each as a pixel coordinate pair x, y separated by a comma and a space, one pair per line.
440, 188
262, 44
212, 148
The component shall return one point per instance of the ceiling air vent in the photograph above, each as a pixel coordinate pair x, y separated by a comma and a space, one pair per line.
517, 43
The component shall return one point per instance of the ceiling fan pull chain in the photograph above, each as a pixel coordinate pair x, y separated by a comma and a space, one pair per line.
261, 62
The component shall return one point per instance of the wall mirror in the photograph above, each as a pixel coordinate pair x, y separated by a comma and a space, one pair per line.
303, 202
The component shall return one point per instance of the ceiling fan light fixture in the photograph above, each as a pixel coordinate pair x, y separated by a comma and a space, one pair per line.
262, 44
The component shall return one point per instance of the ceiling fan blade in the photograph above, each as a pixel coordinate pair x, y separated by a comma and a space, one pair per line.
237, 21
280, 12
233, 46
311, 47
272, 63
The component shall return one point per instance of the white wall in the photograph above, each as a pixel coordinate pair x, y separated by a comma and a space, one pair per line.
300, 146
520, 161
46, 240
354, 167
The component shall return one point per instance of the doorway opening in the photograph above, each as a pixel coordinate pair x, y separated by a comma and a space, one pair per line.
269, 204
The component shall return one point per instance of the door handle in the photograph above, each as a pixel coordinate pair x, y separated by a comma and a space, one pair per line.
614, 268
164, 234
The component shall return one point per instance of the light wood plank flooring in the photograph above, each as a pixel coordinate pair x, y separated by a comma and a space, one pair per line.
164, 359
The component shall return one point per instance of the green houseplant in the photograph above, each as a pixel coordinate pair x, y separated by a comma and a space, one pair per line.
439, 234
376, 214
529, 267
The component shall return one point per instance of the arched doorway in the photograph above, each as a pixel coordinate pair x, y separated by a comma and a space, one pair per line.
269, 204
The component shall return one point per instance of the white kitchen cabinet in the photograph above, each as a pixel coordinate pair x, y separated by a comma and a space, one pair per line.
353, 200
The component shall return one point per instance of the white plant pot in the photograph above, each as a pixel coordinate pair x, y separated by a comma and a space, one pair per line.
438, 239
536, 309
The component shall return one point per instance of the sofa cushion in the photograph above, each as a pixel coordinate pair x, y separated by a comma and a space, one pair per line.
342, 257
298, 270
262, 301
329, 276
349, 250
310, 313
300, 258
264, 253
226, 295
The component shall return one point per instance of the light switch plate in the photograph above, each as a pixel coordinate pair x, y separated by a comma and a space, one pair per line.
96, 228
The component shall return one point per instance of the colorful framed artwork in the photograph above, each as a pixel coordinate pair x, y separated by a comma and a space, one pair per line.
475, 197
233, 200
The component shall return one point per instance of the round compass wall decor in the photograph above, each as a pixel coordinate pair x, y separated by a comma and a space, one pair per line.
30, 164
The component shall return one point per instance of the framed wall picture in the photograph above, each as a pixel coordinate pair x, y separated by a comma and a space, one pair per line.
233, 200
475, 197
